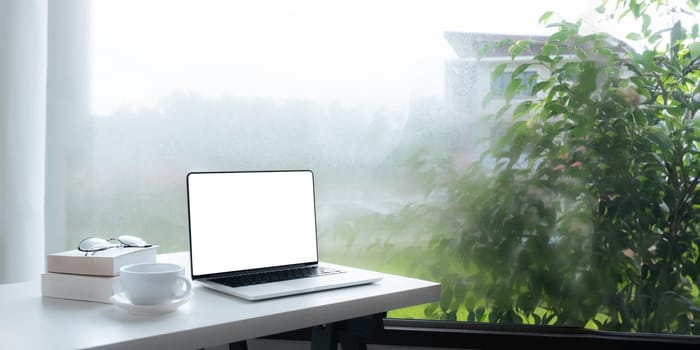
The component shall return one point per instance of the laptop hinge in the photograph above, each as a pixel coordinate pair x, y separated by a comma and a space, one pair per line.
256, 271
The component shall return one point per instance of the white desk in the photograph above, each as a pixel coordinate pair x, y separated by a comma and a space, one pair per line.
30, 321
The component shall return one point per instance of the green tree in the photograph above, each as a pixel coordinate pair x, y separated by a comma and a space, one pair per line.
585, 211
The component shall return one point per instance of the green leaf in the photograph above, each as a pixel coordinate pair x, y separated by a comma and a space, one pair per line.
654, 38
512, 89
518, 48
520, 69
483, 50
522, 108
600, 9
634, 36
534, 78
638, 60
556, 108
543, 58
634, 6
588, 78
694, 49
604, 51
624, 14
543, 85
660, 139
504, 43
498, 71
547, 50
545, 17
557, 37
646, 21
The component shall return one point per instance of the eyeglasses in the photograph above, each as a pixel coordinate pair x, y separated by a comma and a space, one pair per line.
93, 244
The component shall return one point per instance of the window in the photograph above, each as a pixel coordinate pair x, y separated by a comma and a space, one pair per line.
385, 110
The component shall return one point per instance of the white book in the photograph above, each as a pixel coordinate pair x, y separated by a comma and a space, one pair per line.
79, 287
101, 263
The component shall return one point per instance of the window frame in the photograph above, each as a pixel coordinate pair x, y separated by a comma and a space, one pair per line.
469, 335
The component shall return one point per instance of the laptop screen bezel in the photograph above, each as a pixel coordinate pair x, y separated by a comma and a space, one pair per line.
254, 270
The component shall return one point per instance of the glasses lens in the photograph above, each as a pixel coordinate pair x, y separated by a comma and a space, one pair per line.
132, 241
93, 244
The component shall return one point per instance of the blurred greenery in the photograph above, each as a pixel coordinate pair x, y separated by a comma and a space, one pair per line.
584, 211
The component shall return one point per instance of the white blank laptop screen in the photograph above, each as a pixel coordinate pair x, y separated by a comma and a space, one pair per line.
249, 220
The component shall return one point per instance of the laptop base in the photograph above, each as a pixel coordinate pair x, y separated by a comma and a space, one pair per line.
352, 277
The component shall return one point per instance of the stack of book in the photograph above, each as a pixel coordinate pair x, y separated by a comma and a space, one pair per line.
92, 277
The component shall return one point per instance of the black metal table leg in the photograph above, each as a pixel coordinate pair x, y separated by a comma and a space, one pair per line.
241, 345
324, 337
352, 334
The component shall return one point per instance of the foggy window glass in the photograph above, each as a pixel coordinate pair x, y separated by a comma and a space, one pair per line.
386, 101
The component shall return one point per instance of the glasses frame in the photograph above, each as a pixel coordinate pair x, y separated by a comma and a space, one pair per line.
111, 243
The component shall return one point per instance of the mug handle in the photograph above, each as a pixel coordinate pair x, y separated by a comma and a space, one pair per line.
188, 288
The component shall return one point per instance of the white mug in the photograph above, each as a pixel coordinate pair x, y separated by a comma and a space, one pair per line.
154, 283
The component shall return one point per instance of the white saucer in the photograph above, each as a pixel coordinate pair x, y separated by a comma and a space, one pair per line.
121, 301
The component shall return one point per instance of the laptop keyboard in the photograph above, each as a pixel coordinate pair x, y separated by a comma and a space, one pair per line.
276, 276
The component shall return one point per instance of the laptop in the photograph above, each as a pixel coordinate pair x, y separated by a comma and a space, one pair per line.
253, 235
